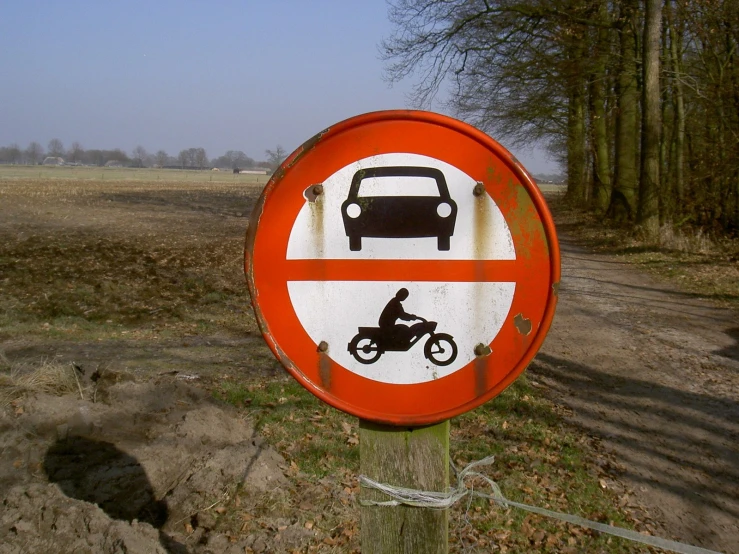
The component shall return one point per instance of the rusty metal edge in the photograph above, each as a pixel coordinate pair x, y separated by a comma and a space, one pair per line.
251, 234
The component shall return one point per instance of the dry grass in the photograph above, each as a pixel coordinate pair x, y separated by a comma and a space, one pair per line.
688, 260
687, 241
49, 377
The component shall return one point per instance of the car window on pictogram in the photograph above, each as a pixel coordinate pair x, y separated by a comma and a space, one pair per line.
398, 186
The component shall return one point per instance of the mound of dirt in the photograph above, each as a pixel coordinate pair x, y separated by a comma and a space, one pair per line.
128, 473
39, 518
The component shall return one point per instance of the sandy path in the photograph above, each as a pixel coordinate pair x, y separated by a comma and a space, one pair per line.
655, 374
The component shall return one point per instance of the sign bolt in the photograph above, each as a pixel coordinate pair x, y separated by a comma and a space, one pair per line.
479, 189
317, 190
323, 345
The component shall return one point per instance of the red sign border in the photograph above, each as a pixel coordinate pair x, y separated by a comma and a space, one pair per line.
534, 343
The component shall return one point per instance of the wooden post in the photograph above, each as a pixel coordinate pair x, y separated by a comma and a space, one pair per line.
412, 457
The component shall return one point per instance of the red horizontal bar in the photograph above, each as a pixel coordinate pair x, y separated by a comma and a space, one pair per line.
400, 270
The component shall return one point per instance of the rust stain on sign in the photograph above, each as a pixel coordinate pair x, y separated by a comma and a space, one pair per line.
482, 351
324, 367
314, 194
481, 375
481, 223
526, 228
306, 147
481, 237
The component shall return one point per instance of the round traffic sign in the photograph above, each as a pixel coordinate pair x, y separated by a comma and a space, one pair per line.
403, 266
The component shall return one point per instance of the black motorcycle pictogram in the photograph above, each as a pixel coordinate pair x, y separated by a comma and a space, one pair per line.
372, 342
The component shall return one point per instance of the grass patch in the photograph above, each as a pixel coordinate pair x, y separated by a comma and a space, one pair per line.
307, 432
539, 461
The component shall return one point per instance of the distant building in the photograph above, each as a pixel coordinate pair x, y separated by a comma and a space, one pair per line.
51, 160
113, 163
253, 171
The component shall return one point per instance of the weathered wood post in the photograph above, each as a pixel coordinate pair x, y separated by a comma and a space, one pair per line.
412, 457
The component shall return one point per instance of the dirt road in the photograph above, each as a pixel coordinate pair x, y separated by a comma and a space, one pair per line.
655, 375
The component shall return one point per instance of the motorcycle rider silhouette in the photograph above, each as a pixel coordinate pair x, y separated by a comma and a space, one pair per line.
393, 331
371, 342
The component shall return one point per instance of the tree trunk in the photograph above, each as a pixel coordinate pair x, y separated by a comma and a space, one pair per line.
733, 44
679, 117
576, 189
576, 125
601, 158
623, 196
648, 207
665, 197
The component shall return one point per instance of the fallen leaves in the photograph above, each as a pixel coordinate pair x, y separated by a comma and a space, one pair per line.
352, 438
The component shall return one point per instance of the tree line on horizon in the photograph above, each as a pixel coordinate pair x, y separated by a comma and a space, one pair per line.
189, 158
638, 100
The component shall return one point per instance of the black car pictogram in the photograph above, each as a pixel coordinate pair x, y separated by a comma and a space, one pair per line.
399, 216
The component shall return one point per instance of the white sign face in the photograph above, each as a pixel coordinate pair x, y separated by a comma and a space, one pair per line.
401, 206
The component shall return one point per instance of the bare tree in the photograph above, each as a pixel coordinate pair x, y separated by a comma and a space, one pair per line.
14, 153
275, 157
516, 69
598, 99
75, 152
233, 159
160, 158
96, 157
34, 153
55, 148
184, 158
200, 158
117, 155
139, 156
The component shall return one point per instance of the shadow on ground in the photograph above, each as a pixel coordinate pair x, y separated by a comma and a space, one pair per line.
98, 472
732, 351
679, 444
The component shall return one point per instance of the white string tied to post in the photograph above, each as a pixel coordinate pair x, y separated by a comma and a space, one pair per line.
443, 500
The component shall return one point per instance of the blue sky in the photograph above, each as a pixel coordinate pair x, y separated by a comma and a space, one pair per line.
226, 74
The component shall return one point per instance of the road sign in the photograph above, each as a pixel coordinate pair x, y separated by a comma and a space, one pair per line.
403, 266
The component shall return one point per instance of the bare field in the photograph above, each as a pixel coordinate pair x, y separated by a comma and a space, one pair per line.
142, 280
24, 172
96, 254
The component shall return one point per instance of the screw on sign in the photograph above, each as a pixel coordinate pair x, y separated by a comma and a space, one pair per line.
403, 267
